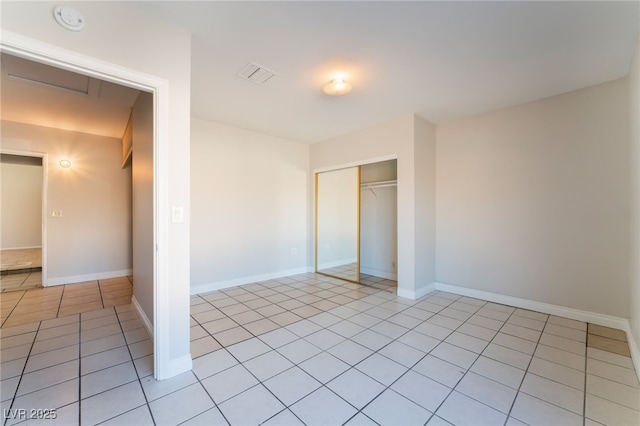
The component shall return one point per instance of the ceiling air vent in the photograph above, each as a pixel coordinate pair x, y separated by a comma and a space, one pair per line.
256, 73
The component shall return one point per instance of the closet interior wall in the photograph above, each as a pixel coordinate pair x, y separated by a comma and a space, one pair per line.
379, 220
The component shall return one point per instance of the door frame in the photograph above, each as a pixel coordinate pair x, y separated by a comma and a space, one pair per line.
43, 222
38, 51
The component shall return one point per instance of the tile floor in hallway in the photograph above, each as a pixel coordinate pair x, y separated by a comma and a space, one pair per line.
25, 306
20, 269
314, 350
20, 280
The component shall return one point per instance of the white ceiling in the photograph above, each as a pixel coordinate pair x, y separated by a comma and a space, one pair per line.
439, 60
42, 95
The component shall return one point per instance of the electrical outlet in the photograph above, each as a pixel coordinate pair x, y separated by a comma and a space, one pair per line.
56, 213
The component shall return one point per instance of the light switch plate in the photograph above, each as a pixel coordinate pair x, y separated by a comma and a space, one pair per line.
177, 214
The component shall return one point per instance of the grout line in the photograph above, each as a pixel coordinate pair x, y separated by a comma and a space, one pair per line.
293, 363
14, 308
26, 361
101, 298
527, 370
309, 282
584, 394
79, 364
64, 287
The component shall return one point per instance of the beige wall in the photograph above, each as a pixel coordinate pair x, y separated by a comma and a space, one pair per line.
425, 200
250, 206
532, 201
93, 237
21, 204
634, 155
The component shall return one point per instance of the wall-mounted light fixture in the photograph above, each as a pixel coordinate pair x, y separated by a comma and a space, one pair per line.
65, 164
337, 87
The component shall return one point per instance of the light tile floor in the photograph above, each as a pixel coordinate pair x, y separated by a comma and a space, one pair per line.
25, 306
313, 350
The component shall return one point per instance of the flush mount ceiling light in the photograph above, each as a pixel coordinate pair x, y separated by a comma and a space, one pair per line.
69, 18
337, 87
65, 164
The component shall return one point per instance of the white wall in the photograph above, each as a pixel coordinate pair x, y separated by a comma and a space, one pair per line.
92, 238
250, 206
142, 202
21, 203
113, 37
395, 138
634, 156
532, 201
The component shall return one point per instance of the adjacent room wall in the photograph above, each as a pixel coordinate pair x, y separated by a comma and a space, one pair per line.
142, 203
21, 202
250, 206
92, 239
634, 194
532, 201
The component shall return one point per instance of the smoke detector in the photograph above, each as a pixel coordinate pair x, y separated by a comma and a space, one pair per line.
256, 73
69, 18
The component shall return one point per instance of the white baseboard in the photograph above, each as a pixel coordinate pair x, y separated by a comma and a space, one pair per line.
219, 285
547, 308
88, 277
382, 274
414, 294
561, 311
143, 317
21, 248
176, 366
173, 367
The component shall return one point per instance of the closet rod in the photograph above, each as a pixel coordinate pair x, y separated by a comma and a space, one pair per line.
381, 184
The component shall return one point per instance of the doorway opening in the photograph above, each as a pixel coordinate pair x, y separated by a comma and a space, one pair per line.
23, 203
157, 314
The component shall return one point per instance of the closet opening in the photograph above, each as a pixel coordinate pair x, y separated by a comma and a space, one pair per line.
356, 225
379, 225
